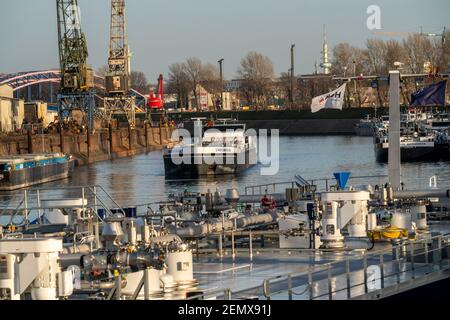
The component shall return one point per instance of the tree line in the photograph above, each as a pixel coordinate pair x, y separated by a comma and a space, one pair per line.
260, 87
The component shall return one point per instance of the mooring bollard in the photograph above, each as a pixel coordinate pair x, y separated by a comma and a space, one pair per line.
61, 138
88, 138
30, 141
110, 139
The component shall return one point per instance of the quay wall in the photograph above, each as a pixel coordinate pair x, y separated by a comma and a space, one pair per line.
105, 144
290, 122
306, 126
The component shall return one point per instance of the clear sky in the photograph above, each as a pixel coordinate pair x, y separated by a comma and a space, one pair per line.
162, 32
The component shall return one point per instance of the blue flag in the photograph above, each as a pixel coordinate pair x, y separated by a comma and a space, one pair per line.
433, 95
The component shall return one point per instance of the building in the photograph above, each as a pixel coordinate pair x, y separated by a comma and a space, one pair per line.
234, 85
11, 110
39, 112
208, 101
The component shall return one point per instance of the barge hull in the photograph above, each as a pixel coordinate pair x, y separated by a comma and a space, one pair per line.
407, 154
25, 178
199, 168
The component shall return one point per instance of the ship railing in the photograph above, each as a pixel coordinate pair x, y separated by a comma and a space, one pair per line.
29, 204
318, 185
214, 294
370, 276
144, 287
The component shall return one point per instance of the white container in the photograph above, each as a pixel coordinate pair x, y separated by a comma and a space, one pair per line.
180, 266
44, 294
133, 280
167, 280
55, 215
419, 216
65, 284
402, 220
371, 221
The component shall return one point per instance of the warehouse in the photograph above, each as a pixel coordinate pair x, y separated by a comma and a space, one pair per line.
11, 110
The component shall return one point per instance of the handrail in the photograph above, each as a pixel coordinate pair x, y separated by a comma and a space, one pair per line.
92, 192
396, 259
226, 293
107, 194
310, 182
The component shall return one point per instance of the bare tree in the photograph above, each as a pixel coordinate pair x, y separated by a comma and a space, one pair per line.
193, 70
139, 82
415, 52
284, 84
179, 83
351, 61
257, 73
210, 79
103, 71
342, 59
394, 51
376, 49
445, 51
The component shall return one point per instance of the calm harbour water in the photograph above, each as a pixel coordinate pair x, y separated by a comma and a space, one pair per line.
141, 179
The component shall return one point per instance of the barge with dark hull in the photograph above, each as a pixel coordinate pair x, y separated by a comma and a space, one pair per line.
24, 171
224, 149
410, 150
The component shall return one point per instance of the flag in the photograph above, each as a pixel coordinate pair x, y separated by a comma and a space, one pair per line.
332, 100
433, 95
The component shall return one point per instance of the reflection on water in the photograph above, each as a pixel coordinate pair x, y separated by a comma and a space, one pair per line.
140, 179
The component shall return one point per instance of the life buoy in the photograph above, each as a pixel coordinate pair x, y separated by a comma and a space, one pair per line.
268, 202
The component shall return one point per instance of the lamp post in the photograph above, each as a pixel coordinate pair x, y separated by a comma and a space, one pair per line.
221, 82
292, 76
354, 74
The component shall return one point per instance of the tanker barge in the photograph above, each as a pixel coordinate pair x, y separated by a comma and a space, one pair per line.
220, 148
17, 172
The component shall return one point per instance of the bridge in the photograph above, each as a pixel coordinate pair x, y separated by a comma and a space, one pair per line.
26, 80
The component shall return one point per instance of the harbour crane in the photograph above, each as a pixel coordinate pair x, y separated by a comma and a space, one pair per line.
422, 34
118, 80
403, 34
157, 102
77, 78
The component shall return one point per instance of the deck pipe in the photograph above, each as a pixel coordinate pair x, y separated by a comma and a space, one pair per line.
422, 194
72, 254
254, 198
239, 223
394, 166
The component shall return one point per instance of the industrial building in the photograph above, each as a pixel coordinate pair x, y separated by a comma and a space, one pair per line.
11, 110
39, 112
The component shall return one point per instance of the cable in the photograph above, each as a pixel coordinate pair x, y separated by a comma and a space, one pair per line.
373, 242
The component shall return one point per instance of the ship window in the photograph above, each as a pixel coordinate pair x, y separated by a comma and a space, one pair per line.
183, 266
330, 229
3, 265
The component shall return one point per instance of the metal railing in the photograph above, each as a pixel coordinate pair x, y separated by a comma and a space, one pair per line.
407, 261
144, 286
322, 184
30, 202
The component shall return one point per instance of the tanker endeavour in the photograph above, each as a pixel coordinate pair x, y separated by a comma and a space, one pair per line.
224, 149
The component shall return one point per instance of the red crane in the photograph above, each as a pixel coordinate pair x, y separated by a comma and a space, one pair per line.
157, 102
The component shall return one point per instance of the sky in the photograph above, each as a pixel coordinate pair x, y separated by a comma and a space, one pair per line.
162, 32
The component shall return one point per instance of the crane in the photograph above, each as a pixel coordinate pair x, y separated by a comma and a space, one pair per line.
77, 78
73, 53
403, 34
118, 80
157, 102
433, 69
